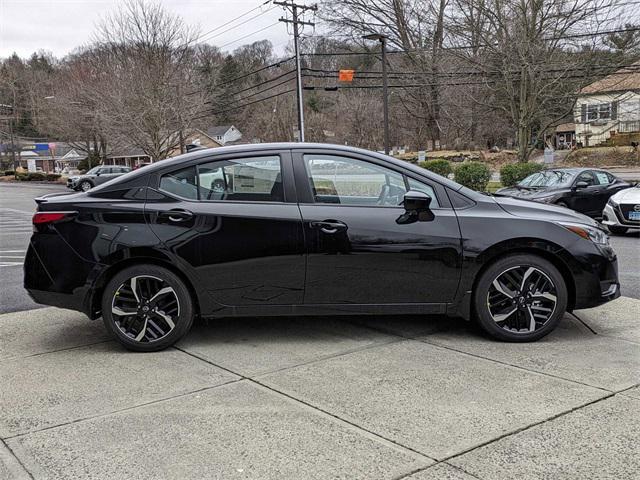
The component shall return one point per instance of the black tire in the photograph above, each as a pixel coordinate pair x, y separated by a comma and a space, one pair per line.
529, 307
167, 326
617, 230
85, 186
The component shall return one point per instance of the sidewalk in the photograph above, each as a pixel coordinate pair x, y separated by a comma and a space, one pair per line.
318, 398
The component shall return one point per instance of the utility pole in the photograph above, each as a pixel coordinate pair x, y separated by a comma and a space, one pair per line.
385, 86
295, 10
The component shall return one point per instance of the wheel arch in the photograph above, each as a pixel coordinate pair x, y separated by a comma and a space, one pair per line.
94, 299
553, 253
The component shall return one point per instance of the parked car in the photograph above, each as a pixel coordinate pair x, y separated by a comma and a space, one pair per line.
96, 176
295, 229
622, 211
584, 190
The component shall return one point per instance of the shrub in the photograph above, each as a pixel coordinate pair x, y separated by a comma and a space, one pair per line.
9, 173
474, 175
32, 177
514, 172
52, 177
439, 166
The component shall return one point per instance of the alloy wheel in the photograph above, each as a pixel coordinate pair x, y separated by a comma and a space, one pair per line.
145, 308
522, 299
85, 186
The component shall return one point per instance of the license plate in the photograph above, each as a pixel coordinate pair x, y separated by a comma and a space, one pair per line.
634, 215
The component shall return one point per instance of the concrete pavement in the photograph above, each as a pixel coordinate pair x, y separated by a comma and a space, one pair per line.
366, 397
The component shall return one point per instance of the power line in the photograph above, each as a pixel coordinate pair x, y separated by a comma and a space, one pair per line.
210, 112
249, 35
256, 93
467, 47
199, 37
241, 23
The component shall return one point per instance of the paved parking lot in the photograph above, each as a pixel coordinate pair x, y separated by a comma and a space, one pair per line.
321, 398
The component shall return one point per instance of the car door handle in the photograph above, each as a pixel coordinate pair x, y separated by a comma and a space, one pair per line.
329, 226
176, 215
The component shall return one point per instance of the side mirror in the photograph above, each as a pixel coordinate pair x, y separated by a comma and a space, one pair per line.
581, 185
415, 201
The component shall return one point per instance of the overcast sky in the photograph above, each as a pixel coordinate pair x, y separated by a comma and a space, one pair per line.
59, 26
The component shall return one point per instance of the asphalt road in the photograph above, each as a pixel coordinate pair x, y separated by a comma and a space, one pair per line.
17, 207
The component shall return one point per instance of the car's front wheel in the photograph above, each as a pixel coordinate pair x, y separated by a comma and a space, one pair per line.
85, 185
147, 308
520, 298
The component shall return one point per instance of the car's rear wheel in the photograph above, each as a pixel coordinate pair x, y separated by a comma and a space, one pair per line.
520, 298
85, 185
147, 308
617, 230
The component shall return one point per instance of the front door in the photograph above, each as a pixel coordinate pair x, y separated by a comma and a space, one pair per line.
359, 249
586, 200
234, 221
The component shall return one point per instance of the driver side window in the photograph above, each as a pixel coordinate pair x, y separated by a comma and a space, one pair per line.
586, 177
347, 181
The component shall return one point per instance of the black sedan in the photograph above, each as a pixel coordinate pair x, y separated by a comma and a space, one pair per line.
296, 229
584, 190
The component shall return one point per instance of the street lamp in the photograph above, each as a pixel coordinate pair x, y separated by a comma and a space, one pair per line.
385, 100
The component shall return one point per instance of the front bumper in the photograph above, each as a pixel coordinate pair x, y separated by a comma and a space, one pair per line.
597, 281
613, 216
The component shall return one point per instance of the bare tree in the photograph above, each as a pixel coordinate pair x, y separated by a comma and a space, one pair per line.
148, 92
531, 56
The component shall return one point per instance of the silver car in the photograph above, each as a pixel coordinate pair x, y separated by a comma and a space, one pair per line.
96, 176
622, 211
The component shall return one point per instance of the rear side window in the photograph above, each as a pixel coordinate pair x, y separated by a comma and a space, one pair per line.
256, 179
182, 183
604, 178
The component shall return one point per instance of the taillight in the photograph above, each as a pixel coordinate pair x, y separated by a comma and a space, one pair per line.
41, 218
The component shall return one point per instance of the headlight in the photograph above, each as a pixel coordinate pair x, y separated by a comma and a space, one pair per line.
546, 198
587, 232
612, 202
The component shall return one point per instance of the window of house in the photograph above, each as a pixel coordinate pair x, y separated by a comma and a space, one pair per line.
601, 111
604, 111
348, 181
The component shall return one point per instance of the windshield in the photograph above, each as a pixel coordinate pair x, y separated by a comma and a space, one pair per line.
93, 171
547, 178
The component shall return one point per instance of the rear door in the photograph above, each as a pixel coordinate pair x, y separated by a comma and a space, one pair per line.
234, 221
359, 249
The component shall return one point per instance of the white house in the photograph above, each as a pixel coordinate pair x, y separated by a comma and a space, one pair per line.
224, 134
609, 108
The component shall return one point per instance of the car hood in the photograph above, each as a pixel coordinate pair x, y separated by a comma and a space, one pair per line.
526, 193
542, 211
628, 195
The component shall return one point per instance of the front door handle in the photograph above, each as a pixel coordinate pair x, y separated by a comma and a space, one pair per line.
176, 215
330, 226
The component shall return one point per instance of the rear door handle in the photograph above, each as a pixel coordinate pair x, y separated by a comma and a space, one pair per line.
330, 226
176, 215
